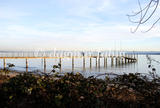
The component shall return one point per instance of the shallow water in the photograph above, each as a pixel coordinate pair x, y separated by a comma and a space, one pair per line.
141, 66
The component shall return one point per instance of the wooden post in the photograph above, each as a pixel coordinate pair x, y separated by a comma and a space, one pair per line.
99, 59
111, 61
90, 62
4, 63
84, 62
26, 65
96, 62
72, 64
125, 60
128, 60
122, 60
116, 61
104, 61
60, 62
99, 62
26, 69
119, 60
44, 64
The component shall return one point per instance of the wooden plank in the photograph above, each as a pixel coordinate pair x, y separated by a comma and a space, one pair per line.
44, 57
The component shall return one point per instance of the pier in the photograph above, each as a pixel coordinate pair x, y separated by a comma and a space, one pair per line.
116, 57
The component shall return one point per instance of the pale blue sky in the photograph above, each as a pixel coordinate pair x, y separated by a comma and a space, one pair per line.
71, 24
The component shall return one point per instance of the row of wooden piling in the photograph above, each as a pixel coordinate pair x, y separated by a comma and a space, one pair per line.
114, 60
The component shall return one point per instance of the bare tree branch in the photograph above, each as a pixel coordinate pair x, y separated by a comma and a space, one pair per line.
145, 13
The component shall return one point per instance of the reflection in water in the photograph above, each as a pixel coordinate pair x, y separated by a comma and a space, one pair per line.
26, 69
91, 67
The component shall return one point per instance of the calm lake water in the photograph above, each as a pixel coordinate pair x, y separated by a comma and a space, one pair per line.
141, 66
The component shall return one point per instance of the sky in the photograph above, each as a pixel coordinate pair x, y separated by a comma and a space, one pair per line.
73, 25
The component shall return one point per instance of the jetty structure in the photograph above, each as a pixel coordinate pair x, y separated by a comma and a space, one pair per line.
116, 57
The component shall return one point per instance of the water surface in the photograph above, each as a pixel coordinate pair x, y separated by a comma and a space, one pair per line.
141, 66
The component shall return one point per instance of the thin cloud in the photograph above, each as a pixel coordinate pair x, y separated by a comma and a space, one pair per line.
12, 14
69, 24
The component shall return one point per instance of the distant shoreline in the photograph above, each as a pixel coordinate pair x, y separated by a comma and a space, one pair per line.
144, 52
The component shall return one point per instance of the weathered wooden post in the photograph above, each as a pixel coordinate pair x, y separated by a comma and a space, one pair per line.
96, 62
122, 60
112, 61
99, 60
44, 64
125, 60
26, 69
26, 65
104, 61
4, 63
84, 62
128, 60
83, 55
119, 60
72, 63
116, 61
60, 62
90, 62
